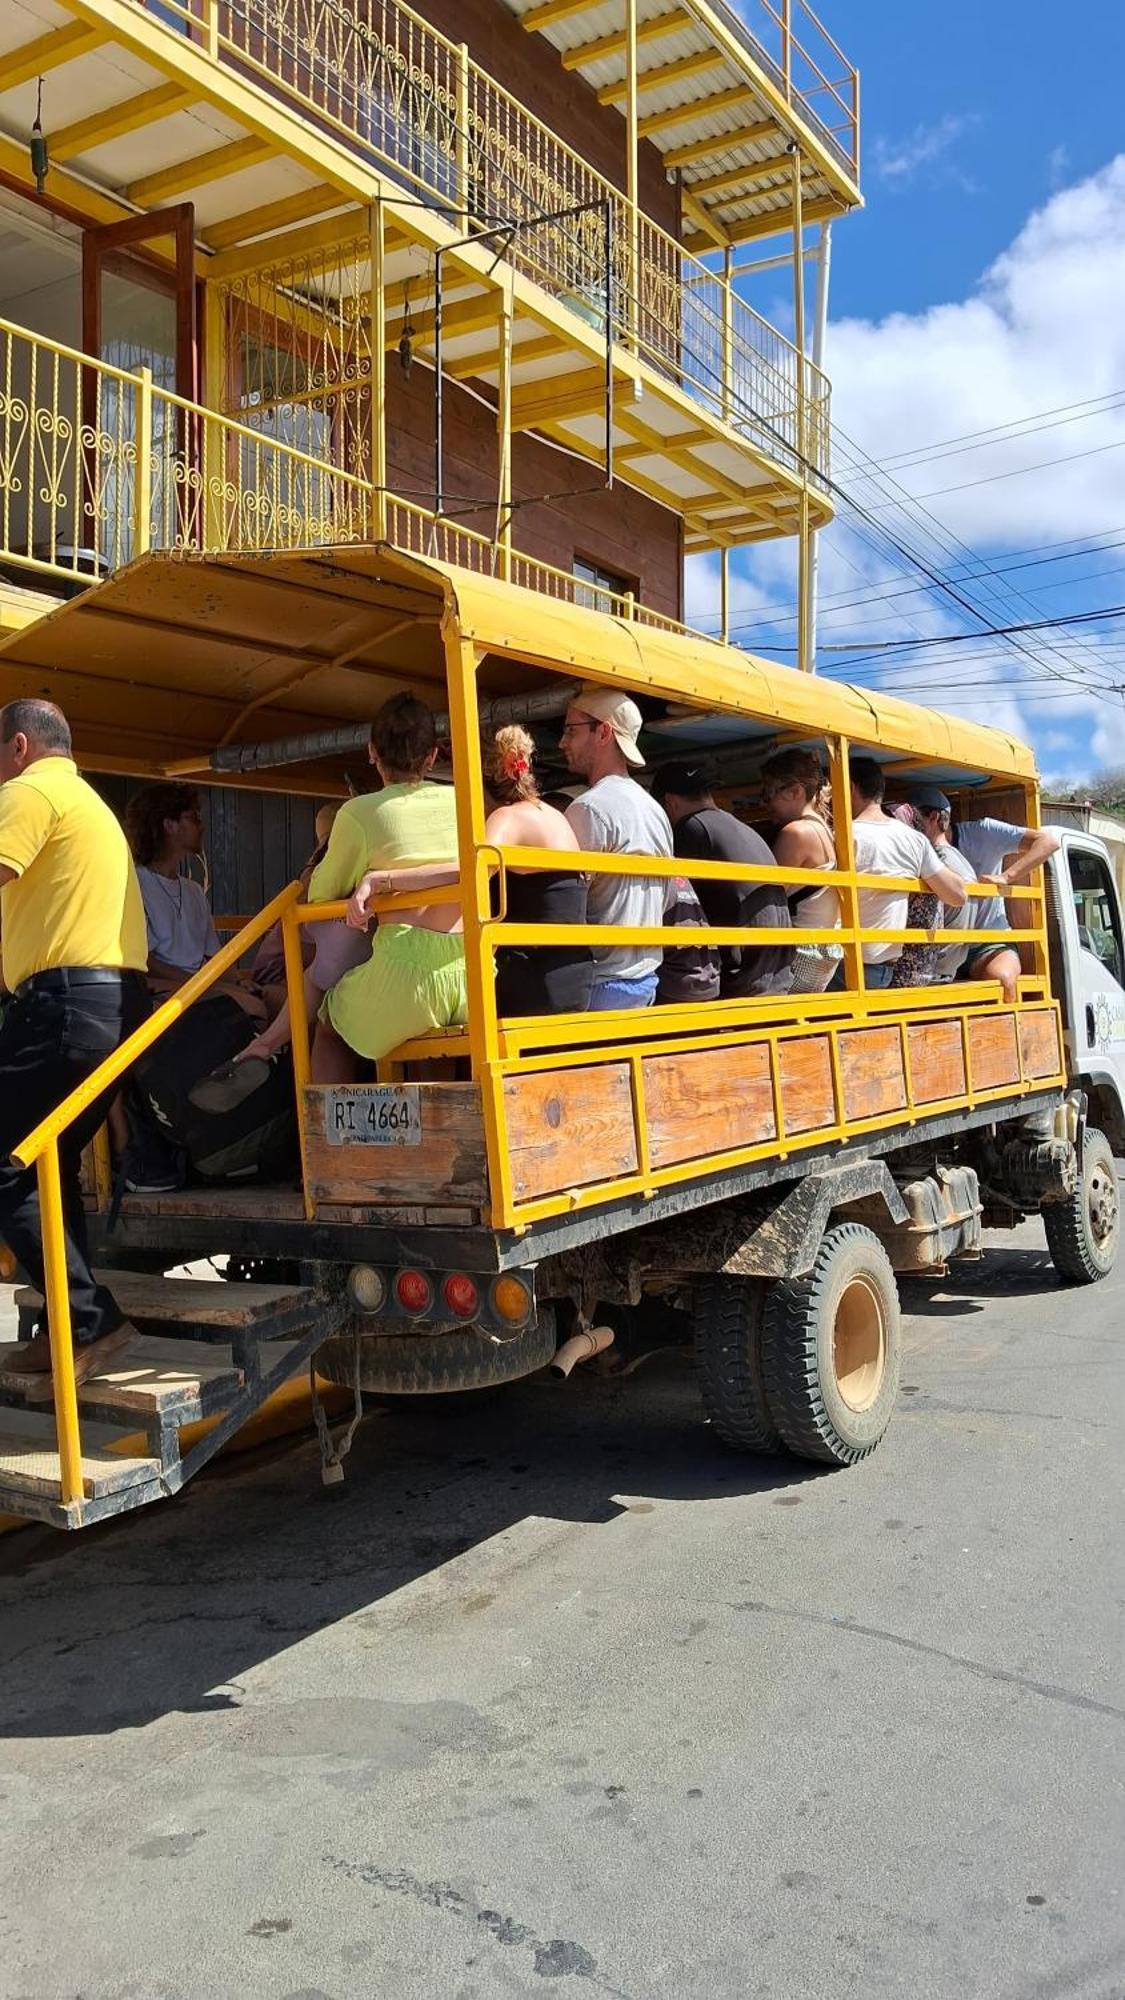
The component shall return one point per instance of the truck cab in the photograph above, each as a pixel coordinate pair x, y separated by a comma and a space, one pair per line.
1087, 947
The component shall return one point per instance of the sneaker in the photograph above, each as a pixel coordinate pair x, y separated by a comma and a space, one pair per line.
146, 1172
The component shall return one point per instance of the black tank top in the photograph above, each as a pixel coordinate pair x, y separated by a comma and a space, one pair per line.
554, 979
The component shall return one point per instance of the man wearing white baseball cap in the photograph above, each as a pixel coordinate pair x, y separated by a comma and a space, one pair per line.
615, 815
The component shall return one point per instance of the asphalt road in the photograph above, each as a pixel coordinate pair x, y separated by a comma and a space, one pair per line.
560, 1698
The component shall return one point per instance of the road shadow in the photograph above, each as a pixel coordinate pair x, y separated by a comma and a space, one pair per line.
971, 1285
164, 1611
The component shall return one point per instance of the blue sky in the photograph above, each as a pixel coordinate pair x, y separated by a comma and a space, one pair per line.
982, 287
1031, 97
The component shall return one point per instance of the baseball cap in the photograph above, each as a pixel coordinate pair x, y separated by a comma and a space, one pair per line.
928, 799
686, 779
623, 716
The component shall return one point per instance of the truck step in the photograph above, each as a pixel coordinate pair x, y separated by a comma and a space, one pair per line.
29, 1462
200, 1308
153, 1378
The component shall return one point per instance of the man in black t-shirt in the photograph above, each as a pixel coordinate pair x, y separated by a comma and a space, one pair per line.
703, 831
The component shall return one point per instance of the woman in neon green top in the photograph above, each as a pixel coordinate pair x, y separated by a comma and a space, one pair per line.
415, 977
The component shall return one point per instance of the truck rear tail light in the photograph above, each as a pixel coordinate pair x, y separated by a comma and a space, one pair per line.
368, 1287
461, 1295
414, 1291
511, 1300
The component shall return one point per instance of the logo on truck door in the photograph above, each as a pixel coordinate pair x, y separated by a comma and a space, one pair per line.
377, 1114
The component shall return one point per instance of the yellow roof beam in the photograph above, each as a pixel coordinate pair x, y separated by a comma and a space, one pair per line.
464, 316
46, 52
655, 79
560, 397
671, 449
744, 176
777, 220
699, 107
153, 189
612, 45
309, 239
117, 120
708, 224
273, 215
469, 365
702, 149
555, 10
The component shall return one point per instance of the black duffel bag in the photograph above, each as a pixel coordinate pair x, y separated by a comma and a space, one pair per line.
234, 1121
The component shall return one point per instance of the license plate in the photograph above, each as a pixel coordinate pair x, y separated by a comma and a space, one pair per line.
384, 1114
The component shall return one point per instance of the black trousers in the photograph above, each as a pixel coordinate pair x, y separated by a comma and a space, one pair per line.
51, 1041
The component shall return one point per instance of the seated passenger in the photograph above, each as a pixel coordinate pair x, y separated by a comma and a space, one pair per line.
548, 979
884, 846
981, 913
916, 964
268, 968
792, 793
703, 831
997, 850
414, 978
687, 971
165, 828
615, 815
328, 950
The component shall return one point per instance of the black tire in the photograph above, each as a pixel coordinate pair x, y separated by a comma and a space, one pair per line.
727, 1325
1082, 1233
831, 1348
437, 1364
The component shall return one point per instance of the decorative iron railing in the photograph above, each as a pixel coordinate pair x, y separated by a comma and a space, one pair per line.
99, 465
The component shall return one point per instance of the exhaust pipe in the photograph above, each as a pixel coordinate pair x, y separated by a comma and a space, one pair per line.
581, 1347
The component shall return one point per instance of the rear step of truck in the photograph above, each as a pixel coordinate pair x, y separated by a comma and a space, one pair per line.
175, 1373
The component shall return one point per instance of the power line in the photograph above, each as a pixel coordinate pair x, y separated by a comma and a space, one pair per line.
1017, 471
999, 433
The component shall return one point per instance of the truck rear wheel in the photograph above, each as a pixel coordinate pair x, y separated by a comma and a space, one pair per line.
728, 1361
1082, 1232
831, 1345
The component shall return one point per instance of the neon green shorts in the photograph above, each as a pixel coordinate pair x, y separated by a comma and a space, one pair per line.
413, 980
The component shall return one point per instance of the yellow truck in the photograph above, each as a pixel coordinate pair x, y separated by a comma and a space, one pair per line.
754, 1171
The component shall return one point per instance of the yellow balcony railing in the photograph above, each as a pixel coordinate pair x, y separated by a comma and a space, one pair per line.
414, 103
98, 465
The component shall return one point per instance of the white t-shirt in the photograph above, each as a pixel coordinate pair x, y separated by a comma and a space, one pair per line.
617, 816
888, 847
180, 929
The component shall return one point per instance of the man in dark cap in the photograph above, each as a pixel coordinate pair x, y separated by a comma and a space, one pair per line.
703, 831
933, 815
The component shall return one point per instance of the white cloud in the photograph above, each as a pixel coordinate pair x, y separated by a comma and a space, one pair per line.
1043, 329
899, 162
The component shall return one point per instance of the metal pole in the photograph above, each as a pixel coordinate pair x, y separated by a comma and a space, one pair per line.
819, 340
57, 1289
631, 189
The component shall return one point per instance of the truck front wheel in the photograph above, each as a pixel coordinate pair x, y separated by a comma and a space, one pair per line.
1082, 1232
831, 1346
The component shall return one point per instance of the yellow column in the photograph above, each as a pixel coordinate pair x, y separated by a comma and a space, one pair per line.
378, 317
504, 436
214, 397
804, 586
840, 771
728, 331
724, 592
142, 478
631, 187
299, 1039
484, 1032
57, 1290
461, 135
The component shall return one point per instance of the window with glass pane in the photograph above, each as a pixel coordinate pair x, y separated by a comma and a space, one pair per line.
1095, 907
600, 586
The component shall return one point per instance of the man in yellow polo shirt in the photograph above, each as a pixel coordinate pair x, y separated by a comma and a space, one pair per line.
72, 933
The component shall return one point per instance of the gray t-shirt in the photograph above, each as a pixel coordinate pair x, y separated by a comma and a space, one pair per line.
985, 844
617, 816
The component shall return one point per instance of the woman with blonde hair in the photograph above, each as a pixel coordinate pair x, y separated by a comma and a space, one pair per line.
548, 979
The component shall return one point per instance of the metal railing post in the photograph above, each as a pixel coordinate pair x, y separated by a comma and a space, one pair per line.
461, 133
57, 1291
787, 47
142, 475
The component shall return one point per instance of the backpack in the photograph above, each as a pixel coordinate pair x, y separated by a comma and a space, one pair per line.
251, 1137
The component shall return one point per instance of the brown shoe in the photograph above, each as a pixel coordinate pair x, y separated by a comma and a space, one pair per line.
90, 1360
28, 1357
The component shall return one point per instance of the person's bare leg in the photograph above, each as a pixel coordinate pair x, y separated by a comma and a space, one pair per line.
279, 1034
333, 1059
1003, 965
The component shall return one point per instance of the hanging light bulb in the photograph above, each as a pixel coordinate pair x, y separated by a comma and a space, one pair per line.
40, 159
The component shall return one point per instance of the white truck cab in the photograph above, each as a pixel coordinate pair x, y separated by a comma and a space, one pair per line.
1088, 974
